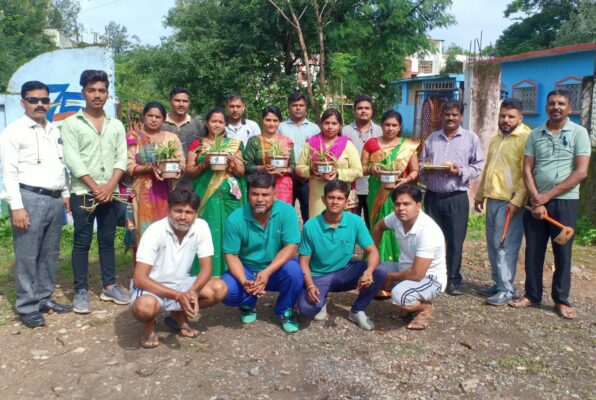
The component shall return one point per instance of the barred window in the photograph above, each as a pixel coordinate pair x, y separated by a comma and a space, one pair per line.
438, 85
527, 92
575, 89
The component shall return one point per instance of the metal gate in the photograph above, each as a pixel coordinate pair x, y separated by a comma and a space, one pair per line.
427, 110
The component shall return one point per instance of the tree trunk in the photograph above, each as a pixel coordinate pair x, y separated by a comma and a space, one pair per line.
309, 88
321, 31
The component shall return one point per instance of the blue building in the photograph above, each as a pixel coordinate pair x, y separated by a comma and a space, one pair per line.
530, 76
419, 101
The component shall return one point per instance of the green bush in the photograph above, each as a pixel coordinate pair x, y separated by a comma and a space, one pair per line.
585, 232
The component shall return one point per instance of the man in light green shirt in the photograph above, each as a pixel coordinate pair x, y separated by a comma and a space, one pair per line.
95, 153
556, 160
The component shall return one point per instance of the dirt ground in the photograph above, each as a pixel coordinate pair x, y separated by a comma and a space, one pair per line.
472, 350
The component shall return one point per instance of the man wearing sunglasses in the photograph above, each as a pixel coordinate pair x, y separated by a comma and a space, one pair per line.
34, 177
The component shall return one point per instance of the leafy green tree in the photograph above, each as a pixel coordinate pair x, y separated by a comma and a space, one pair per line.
21, 34
63, 15
539, 26
452, 66
117, 38
581, 25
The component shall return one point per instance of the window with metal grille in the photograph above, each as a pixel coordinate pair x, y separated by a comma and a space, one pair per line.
576, 96
527, 92
438, 85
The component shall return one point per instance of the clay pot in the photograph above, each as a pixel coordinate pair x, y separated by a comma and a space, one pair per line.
218, 161
169, 168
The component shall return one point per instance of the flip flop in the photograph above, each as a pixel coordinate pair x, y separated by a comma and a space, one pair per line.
149, 341
523, 302
175, 327
565, 311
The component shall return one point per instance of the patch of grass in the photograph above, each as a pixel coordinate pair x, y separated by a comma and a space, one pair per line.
476, 227
524, 363
585, 232
7, 288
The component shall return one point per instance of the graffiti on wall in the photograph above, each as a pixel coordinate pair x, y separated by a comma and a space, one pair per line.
65, 103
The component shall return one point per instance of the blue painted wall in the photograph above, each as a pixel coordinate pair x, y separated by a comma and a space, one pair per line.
546, 71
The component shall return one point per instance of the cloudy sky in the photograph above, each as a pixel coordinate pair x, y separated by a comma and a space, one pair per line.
145, 19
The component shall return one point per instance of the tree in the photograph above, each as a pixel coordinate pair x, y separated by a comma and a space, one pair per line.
452, 66
580, 27
117, 38
539, 27
63, 16
21, 29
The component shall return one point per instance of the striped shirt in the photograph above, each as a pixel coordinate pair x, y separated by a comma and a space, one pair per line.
463, 150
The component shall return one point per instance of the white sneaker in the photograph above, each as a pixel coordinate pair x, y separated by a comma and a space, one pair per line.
322, 315
362, 320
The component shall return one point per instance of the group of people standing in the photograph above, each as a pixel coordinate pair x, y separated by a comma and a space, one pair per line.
226, 209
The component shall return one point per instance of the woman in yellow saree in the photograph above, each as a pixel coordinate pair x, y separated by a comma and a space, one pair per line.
221, 192
390, 152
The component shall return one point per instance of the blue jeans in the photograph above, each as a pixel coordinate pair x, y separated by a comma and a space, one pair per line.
288, 281
343, 280
503, 262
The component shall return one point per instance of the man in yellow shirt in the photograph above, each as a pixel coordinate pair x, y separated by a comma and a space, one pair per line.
503, 188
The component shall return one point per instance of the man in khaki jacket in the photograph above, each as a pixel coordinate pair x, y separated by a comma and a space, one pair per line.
503, 188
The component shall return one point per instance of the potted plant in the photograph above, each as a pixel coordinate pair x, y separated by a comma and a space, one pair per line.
388, 178
166, 159
218, 156
323, 161
279, 157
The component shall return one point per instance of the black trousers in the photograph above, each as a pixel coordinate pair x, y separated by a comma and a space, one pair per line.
537, 233
300, 193
362, 206
450, 211
107, 216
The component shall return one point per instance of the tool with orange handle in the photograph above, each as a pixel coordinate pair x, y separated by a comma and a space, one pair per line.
505, 228
566, 231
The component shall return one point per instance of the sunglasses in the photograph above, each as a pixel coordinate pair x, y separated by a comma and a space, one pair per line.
35, 100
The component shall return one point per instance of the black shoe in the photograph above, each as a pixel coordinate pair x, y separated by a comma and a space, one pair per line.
454, 289
52, 306
32, 320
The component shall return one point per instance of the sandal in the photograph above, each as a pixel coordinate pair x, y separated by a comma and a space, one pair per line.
565, 311
149, 341
523, 302
422, 320
382, 295
174, 326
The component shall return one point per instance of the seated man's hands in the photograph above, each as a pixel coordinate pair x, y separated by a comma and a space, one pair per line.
365, 280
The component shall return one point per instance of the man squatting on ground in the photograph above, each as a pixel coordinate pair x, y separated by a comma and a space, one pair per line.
326, 250
161, 279
34, 177
260, 243
420, 276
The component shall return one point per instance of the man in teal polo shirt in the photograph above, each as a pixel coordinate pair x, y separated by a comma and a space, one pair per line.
556, 160
260, 243
326, 251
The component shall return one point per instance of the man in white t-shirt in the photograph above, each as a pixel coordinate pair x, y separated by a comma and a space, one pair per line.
238, 127
161, 279
421, 273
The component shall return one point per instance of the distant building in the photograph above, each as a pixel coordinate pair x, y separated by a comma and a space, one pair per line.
427, 63
60, 39
419, 101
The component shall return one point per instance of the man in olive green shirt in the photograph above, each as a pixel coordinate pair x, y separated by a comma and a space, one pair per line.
95, 153
556, 160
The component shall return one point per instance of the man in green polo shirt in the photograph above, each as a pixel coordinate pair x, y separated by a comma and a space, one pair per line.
95, 153
260, 243
556, 160
326, 251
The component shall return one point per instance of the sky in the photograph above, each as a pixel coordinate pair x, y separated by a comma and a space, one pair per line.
144, 18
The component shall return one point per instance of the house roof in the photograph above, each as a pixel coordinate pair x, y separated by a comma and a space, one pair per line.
456, 77
574, 48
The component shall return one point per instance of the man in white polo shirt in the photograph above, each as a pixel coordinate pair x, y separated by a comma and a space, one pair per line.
161, 279
421, 273
237, 126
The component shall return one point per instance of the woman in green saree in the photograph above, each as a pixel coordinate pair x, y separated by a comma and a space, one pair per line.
221, 192
390, 152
